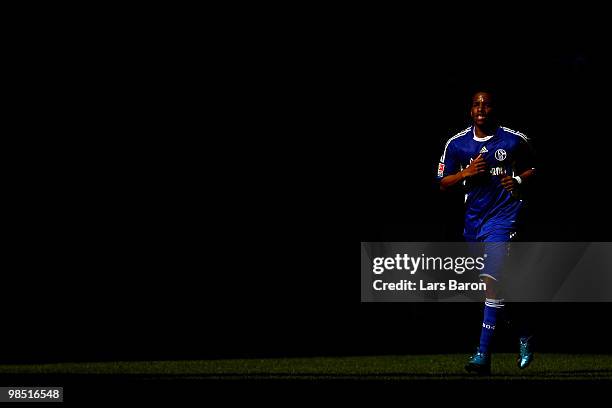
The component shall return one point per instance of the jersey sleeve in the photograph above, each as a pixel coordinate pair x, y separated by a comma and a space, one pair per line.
449, 162
525, 159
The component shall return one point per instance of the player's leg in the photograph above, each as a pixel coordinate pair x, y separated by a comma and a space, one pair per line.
521, 314
495, 252
492, 314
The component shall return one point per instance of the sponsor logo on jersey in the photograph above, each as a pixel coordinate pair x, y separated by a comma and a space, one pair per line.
497, 171
440, 169
484, 149
500, 154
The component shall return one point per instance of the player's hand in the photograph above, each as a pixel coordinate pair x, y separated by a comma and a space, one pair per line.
508, 183
477, 166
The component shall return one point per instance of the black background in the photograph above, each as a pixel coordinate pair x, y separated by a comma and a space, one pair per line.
147, 233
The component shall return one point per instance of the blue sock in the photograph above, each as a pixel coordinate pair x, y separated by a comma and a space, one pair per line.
493, 308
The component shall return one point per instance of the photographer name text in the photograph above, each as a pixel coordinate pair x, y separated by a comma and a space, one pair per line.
408, 285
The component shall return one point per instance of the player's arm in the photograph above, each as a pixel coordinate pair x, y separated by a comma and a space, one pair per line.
477, 166
526, 167
510, 183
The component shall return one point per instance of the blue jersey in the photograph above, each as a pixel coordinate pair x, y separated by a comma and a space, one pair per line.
491, 211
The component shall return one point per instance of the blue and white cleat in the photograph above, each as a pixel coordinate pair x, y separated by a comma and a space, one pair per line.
525, 352
479, 363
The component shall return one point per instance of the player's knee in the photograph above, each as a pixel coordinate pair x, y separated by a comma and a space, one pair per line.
491, 287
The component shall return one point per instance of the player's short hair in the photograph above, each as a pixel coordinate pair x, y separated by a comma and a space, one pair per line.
492, 90
483, 89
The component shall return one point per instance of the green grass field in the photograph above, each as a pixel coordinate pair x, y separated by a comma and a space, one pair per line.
555, 367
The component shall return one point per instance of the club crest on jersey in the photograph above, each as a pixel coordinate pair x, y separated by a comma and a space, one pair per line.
484, 149
500, 154
440, 169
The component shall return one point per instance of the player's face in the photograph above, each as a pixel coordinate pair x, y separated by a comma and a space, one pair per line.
482, 109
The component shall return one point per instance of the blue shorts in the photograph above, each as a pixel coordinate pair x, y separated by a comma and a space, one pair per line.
496, 252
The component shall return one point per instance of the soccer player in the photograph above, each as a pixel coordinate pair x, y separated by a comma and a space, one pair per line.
492, 163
